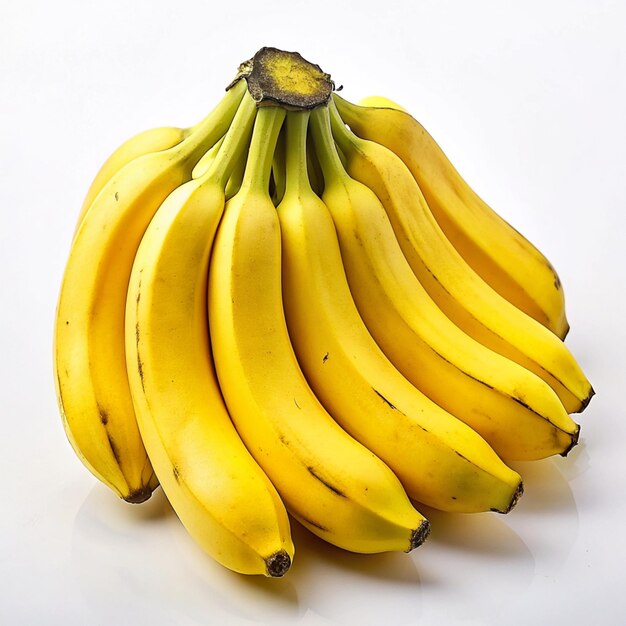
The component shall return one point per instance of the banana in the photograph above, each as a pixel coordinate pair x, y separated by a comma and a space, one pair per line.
504, 402
440, 461
491, 246
204, 164
380, 101
152, 140
217, 489
329, 482
89, 360
459, 291
234, 181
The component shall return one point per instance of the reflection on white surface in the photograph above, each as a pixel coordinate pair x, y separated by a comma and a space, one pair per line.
140, 553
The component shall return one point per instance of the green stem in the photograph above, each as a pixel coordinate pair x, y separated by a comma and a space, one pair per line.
297, 173
234, 143
347, 109
332, 167
267, 125
344, 137
212, 127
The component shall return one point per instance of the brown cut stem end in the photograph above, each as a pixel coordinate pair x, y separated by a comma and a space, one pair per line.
277, 77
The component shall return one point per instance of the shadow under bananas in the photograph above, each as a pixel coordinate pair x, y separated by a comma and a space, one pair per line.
344, 587
138, 561
540, 530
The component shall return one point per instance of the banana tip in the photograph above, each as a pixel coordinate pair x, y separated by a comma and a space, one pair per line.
573, 442
137, 496
419, 535
587, 400
519, 492
278, 564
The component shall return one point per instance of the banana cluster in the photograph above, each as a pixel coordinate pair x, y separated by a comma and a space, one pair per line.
303, 309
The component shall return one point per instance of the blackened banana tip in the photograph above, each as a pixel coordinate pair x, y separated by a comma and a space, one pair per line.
278, 564
139, 495
573, 444
419, 535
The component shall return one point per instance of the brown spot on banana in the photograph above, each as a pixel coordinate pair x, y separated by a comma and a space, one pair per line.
114, 449
314, 524
326, 484
380, 395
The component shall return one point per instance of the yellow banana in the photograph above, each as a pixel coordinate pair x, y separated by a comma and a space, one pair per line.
333, 485
459, 291
380, 101
440, 461
89, 361
216, 488
205, 163
234, 182
491, 246
506, 403
152, 140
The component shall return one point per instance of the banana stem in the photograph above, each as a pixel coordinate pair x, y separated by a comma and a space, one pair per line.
296, 168
267, 125
234, 143
213, 126
332, 167
344, 137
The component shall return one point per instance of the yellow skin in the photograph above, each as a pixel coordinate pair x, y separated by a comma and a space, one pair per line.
459, 291
89, 362
498, 398
440, 461
332, 484
216, 488
492, 247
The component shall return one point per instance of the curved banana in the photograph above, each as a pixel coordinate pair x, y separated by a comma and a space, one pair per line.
333, 485
216, 488
152, 140
492, 247
439, 460
507, 404
89, 362
459, 291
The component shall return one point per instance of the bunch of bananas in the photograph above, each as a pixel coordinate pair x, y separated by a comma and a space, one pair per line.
298, 305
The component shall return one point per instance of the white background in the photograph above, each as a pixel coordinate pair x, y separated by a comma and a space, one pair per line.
528, 100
